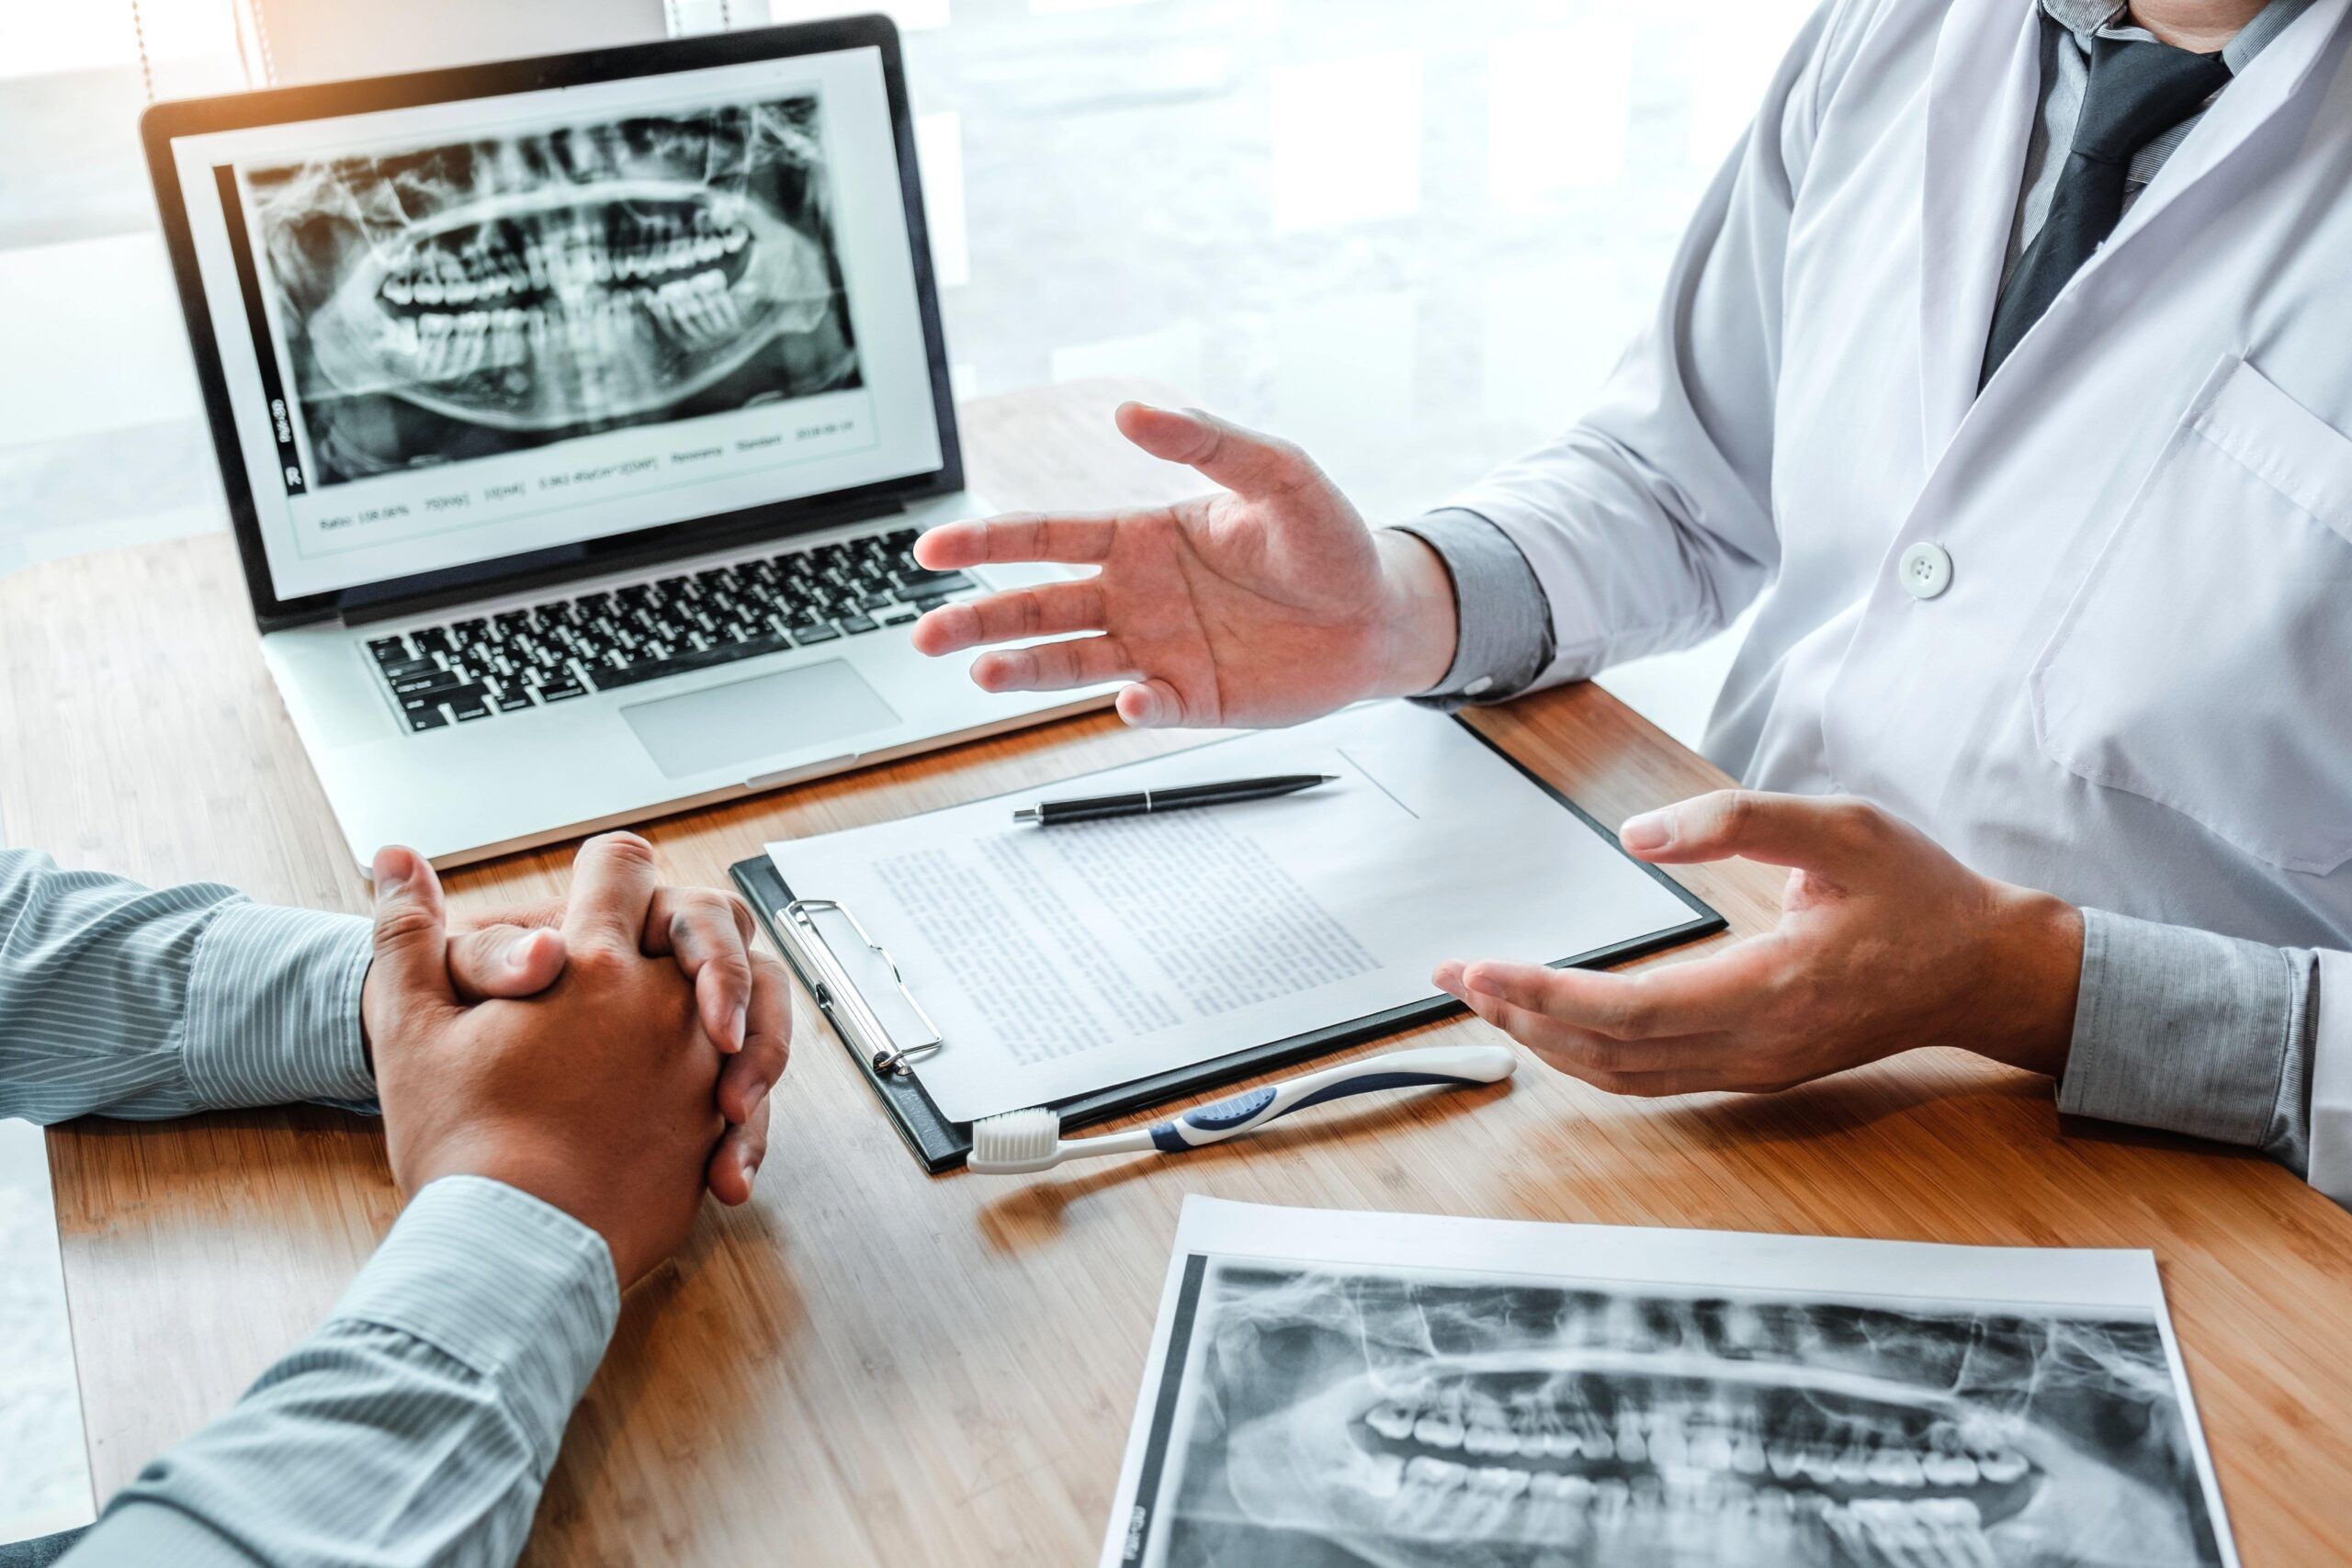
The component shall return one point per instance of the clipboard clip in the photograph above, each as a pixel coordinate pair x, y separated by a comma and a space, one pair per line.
883, 1053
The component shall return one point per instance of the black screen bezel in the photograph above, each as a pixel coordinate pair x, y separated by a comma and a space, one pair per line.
165, 122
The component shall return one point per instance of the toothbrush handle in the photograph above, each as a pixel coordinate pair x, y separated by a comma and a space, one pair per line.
1245, 1113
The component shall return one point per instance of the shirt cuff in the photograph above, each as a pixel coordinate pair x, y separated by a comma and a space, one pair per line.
273, 1009
2180, 1029
1503, 638
2330, 1084
513, 1288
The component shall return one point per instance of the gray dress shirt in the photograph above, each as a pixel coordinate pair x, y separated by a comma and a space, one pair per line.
2173, 1028
417, 1424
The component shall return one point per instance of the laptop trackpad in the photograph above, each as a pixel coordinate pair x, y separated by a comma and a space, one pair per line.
720, 725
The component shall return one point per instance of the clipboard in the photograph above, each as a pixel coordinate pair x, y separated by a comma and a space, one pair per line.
886, 1060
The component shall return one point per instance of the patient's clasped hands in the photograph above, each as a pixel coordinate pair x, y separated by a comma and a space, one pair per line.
611, 1056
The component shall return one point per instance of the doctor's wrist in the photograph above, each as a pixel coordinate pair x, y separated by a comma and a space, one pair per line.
2036, 957
1418, 624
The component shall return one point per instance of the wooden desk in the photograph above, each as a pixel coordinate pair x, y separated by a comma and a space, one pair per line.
870, 1366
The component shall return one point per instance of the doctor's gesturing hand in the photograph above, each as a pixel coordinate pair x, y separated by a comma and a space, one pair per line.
1265, 605
1885, 943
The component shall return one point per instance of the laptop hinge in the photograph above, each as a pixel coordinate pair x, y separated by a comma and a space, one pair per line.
547, 568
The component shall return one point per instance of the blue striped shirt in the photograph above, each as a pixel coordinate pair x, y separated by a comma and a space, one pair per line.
418, 1423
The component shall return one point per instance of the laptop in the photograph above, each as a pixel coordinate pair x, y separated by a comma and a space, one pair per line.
576, 417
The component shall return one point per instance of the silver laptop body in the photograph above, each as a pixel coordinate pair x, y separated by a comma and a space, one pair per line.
576, 417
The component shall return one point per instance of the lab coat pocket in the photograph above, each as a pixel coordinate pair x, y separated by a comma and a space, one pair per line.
2206, 662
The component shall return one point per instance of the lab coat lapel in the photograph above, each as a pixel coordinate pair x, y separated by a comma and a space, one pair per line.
1981, 100
2187, 193
2272, 81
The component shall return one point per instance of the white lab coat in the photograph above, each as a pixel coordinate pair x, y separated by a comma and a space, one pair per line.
2136, 690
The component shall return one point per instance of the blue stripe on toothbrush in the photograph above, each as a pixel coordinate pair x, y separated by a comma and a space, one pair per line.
1225, 1114
1378, 1081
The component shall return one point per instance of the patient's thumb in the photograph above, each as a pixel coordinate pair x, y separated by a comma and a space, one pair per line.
411, 925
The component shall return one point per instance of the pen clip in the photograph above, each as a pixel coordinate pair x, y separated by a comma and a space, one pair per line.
893, 1058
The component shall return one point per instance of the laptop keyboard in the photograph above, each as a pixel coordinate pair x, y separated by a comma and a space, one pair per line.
564, 648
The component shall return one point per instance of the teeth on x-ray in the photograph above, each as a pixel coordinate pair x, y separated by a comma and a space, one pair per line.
554, 282
494, 294
1439, 1421
591, 304
1591, 1433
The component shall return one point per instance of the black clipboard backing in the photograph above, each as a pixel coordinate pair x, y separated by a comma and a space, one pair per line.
941, 1144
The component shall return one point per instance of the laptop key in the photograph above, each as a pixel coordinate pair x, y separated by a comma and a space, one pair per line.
816, 631
856, 623
427, 718
681, 663
919, 585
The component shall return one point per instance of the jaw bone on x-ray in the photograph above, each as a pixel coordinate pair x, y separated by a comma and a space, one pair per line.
457, 300
1341, 1417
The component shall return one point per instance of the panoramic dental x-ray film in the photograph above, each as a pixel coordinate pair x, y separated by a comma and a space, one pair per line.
1334, 1391
466, 297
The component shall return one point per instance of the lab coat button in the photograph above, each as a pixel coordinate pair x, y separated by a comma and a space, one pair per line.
1926, 571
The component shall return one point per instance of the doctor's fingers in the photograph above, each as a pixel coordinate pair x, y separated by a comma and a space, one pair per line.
748, 1076
1681, 1065
1075, 539
1835, 834
1244, 461
1054, 666
1663, 1084
1715, 992
1050, 610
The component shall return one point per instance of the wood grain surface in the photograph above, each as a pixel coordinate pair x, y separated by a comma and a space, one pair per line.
871, 1365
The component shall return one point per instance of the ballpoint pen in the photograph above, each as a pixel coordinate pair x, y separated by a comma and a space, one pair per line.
1047, 813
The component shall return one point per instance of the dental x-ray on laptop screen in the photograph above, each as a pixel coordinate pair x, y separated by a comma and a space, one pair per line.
576, 417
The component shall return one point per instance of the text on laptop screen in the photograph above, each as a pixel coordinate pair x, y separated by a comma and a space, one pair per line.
463, 331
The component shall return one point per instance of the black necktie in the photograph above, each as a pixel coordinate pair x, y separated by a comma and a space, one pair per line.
2137, 92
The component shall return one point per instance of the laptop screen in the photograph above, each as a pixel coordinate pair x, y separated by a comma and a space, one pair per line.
457, 331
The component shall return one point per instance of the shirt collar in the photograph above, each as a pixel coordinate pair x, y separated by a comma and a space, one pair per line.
2268, 24
2088, 18
2083, 18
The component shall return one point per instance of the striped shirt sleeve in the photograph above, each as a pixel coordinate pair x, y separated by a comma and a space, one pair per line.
418, 1423
147, 1003
416, 1426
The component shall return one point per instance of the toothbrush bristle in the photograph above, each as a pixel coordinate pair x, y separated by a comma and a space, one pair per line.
1015, 1136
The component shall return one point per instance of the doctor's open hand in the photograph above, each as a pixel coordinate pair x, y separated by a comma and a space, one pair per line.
1266, 603
1885, 943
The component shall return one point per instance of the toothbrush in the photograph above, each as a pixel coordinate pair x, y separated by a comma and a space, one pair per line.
1018, 1142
